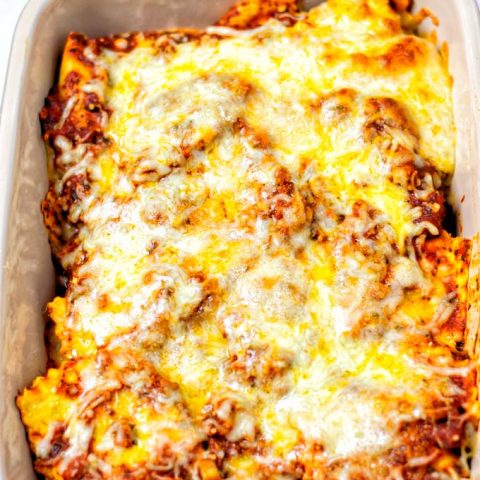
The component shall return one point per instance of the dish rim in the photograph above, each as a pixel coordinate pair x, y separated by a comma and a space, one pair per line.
10, 121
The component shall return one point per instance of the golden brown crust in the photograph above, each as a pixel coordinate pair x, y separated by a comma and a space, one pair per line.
447, 259
254, 13
72, 119
69, 110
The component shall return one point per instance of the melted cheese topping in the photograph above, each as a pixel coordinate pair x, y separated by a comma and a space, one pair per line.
250, 232
136, 416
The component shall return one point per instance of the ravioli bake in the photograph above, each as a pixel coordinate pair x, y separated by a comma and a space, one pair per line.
255, 278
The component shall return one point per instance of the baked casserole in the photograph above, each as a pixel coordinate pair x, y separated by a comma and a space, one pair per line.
255, 278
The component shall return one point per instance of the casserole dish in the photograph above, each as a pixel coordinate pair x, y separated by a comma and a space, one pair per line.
28, 275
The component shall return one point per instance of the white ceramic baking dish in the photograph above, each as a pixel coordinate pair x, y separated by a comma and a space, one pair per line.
27, 280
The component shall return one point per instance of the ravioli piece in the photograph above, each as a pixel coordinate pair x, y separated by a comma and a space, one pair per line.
111, 416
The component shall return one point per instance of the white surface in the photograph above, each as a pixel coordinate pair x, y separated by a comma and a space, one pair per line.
9, 13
